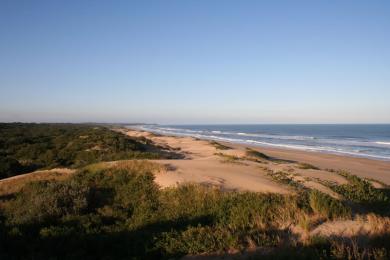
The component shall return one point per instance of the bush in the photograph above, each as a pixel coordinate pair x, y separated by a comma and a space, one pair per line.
9, 166
256, 154
361, 191
219, 146
251, 210
196, 240
28, 147
120, 213
307, 166
327, 206
45, 200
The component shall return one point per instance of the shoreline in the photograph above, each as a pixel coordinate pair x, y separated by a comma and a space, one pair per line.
362, 167
253, 143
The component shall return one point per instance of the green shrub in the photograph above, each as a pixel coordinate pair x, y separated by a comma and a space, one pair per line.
9, 166
219, 146
251, 210
327, 206
286, 179
227, 158
118, 212
196, 240
360, 191
188, 202
44, 200
256, 154
307, 166
27, 147
128, 195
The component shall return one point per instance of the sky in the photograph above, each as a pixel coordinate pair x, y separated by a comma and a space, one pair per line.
195, 62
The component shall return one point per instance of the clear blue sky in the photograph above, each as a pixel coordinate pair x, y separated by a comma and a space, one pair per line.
195, 61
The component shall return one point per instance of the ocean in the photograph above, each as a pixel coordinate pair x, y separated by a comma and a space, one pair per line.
369, 141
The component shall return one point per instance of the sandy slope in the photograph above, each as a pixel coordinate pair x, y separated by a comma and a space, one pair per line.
210, 171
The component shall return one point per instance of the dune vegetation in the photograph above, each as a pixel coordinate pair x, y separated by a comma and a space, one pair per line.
118, 211
115, 210
28, 147
220, 146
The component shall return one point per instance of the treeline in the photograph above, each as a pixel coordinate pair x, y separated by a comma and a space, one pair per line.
28, 147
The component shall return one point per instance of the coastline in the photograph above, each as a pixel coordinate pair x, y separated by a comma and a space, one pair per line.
362, 167
328, 139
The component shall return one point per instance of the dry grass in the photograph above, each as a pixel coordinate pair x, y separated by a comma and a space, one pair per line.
130, 165
307, 166
227, 158
219, 146
138, 165
256, 154
286, 178
378, 225
14, 184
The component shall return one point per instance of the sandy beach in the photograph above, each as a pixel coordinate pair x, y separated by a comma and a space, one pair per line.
233, 169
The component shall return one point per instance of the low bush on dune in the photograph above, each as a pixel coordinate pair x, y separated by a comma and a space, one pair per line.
119, 212
227, 158
286, 179
47, 200
307, 166
28, 147
256, 154
326, 206
10, 166
361, 191
220, 146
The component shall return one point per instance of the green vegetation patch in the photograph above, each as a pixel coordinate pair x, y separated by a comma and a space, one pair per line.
256, 154
227, 158
326, 206
362, 191
219, 146
119, 213
286, 179
307, 166
28, 147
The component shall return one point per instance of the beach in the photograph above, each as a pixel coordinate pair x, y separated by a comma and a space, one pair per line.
233, 169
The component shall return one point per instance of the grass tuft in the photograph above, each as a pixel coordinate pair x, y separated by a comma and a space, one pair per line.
227, 158
256, 154
220, 146
307, 166
361, 191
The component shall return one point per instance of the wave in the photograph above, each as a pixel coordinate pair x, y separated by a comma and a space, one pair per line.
169, 129
383, 143
283, 137
338, 146
355, 152
267, 136
328, 149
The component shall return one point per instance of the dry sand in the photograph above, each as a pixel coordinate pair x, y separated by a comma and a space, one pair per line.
205, 164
